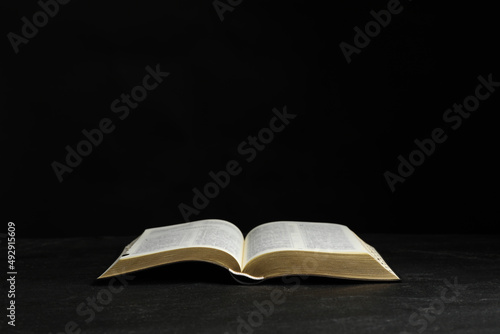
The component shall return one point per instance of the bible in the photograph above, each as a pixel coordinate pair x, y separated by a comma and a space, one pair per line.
274, 249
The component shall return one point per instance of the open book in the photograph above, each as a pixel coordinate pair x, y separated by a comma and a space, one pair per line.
269, 250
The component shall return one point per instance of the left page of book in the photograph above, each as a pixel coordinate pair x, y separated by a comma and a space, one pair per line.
213, 233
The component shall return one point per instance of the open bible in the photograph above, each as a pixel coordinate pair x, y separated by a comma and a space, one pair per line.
269, 250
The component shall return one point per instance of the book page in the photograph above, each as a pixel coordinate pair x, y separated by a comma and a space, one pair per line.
300, 236
211, 233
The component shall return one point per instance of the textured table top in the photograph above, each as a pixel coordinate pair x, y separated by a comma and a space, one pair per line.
450, 283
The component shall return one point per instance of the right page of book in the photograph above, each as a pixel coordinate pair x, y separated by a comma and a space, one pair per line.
300, 236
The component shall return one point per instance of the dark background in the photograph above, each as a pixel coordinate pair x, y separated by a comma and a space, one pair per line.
353, 121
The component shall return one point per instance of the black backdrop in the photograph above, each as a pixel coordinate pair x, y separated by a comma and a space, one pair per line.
352, 120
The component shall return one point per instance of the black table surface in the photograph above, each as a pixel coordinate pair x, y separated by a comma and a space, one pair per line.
450, 283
